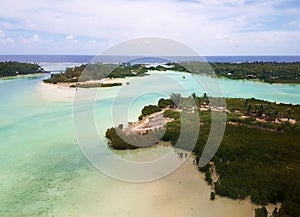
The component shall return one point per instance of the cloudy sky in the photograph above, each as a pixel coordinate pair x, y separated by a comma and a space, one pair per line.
211, 27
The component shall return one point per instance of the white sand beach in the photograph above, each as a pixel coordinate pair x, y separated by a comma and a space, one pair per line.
56, 92
104, 81
63, 91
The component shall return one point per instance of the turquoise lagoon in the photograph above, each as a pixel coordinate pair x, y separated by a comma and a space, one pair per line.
42, 164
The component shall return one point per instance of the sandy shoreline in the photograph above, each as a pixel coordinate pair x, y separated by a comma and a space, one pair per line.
184, 193
54, 92
105, 81
63, 91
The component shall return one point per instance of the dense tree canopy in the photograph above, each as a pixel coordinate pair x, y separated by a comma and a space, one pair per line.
148, 110
96, 71
272, 72
254, 159
16, 68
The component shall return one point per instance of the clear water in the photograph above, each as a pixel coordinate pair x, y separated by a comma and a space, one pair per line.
41, 161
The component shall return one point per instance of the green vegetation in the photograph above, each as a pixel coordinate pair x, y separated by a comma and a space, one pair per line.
208, 177
16, 68
70, 75
119, 139
164, 103
271, 72
148, 110
212, 195
172, 114
96, 72
261, 212
259, 152
260, 113
255, 158
118, 143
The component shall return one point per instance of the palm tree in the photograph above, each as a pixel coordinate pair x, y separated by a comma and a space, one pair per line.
275, 115
205, 98
194, 95
289, 112
260, 110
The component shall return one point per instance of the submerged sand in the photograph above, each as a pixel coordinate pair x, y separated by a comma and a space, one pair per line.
184, 193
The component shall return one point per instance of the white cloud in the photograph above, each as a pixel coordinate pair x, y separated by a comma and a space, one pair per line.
295, 23
9, 40
70, 37
207, 26
2, 34
35, 37
4, 40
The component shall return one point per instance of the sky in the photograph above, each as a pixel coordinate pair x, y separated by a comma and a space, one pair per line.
210, 27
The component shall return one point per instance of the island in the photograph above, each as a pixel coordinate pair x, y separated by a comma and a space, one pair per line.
258, 156
96, 75
12, 68
271, 72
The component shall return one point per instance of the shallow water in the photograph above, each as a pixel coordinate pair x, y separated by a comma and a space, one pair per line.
41, 162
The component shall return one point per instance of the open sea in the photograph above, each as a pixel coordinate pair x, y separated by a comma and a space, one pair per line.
114, 59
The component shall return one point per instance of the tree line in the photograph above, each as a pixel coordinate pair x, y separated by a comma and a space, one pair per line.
12, 68
271, 72
96, 71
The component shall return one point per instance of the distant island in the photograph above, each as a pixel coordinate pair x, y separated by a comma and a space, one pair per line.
11, 68
258, 156
96, 75
271, 72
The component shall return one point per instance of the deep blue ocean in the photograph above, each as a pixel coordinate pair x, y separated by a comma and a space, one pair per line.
118, 59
